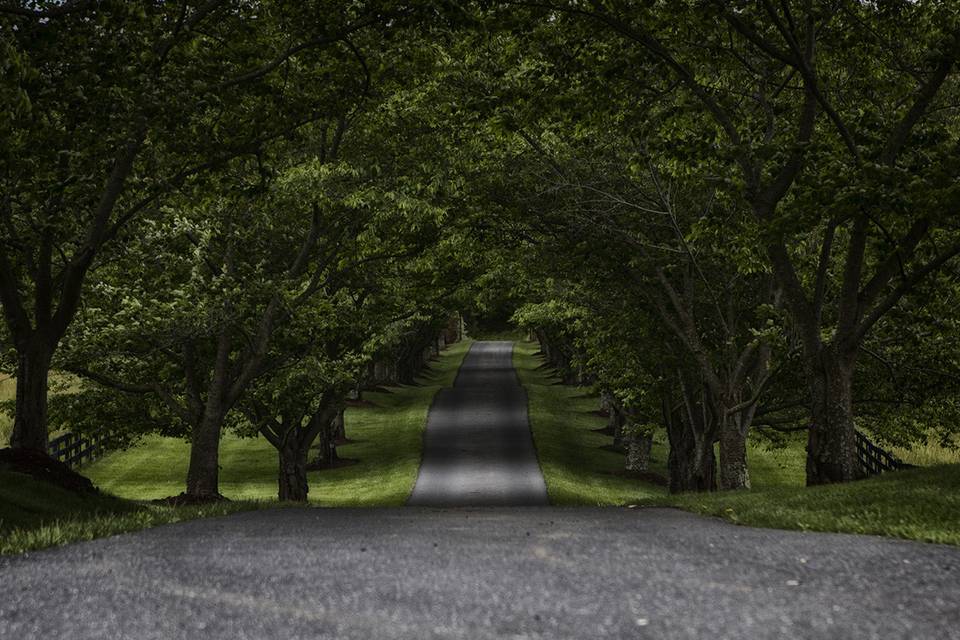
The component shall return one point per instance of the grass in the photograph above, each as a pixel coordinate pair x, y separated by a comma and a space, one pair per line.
8, 391
928, 453
577, 471
921, 504
35, 514
387, 428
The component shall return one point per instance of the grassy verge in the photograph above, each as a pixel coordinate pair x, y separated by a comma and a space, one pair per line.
35, 515
920, 504
577, 471
386, 427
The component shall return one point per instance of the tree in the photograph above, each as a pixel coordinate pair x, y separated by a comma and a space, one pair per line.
113, 105
825, 102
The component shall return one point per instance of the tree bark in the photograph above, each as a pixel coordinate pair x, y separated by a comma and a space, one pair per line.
326, 445
831, 441
733, 456
203, 475
638, 451
691, 462
30, 419
616, 422
292, 479
339, 427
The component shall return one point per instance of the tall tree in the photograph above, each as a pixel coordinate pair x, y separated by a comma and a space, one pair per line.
113, 104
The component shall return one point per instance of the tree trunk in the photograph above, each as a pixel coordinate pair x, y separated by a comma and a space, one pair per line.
616, 422
326, 447
691, 461
292, 478
30, 419
638, 451
339, 427
831, 442
203, 475
733, 456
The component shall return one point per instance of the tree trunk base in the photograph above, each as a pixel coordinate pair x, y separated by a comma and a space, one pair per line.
39, 466
185, 499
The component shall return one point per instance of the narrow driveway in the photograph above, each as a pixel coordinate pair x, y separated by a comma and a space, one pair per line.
539, 573
478, 449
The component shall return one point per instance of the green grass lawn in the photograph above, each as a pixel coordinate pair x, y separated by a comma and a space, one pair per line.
35, 514
387, 428
8, 391
918, 504
577, 471
921, 504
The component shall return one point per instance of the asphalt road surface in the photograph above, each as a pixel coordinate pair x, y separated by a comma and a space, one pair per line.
477, 448
480, 572
477, 573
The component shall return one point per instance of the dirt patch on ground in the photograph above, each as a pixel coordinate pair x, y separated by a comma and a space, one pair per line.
183, 500
377, 389
647, 476
360, 403
40, 466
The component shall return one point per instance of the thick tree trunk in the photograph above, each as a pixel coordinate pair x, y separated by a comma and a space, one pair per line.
638, 451
203, 475
30, 419
733, 456
292, 478
831, 442
691, 461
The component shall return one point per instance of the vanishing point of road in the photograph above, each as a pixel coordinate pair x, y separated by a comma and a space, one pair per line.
484, 570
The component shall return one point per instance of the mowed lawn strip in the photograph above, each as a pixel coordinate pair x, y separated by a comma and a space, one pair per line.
921, 504
387, 428
575, 467
917, 504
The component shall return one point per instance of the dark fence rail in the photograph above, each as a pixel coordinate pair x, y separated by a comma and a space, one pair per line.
74, 449
876, 460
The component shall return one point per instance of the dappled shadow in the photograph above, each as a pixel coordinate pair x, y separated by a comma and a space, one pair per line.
478, 449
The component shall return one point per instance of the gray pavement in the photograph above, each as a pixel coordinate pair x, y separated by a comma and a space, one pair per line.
540, 573
477, 448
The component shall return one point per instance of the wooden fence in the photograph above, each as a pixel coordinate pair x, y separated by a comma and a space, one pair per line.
876, 460
74, 449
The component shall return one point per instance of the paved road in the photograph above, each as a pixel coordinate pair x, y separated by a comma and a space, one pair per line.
476, 573
539, 573
478, 450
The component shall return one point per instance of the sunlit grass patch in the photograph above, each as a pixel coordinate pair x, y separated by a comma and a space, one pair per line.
387, 432
920, 504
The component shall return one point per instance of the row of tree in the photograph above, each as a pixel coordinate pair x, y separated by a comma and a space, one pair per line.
217, 215
726, 215
746, 215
